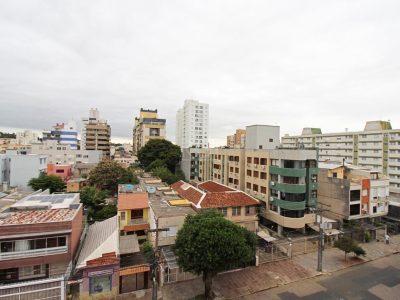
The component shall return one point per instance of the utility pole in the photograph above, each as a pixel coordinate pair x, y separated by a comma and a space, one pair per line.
156, 259
318, 212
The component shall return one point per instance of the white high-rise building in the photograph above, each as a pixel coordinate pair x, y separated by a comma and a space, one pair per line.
192, 125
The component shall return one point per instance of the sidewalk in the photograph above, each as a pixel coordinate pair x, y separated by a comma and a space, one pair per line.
333, 258
244, 282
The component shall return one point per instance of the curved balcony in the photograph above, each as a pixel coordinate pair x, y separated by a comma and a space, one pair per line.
290, 205
290, 172
288, 188
287, 222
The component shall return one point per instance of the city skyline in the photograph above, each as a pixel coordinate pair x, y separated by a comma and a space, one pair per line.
285, 63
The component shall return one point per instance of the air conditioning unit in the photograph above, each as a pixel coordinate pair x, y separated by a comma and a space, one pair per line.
271, 199
272, 183
248, 190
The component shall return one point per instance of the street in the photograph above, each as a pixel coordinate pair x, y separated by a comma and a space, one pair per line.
379, 279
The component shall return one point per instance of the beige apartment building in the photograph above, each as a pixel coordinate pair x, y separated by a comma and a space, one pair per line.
237, 140
377, 146
147, 126
350, 192
96, 133
285, 180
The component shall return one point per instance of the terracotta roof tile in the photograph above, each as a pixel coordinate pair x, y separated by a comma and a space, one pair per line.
228, 199
188, 191
38, 216
212, 186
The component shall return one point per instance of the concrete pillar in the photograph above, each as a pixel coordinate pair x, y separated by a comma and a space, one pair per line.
280, 229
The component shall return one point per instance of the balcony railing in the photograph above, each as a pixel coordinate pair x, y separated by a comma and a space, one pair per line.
291, 172
137, 221
33, 253
290, 205
288, 188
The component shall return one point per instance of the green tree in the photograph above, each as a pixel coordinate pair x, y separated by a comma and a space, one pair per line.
165, 175
207, 244
347, 245
107, 174
43, 182
7, 135
106, 212
163, 150
155, 164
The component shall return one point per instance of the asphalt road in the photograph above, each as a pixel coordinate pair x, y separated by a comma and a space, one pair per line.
379, 279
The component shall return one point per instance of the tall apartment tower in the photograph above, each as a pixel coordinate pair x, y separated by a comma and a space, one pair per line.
377, 146
96, 133
192, 125
147, 126
63, 133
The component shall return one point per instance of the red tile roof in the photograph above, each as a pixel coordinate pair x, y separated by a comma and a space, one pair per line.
106, 259
216, 195
135, 200
228, 199
188, 191
38, 216
212, 186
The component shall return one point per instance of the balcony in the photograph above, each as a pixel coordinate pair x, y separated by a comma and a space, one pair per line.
136, 224
33, 253
290, 205
290, 172
290, 222
288, 188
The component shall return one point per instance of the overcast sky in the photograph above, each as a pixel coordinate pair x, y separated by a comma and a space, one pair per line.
329, 64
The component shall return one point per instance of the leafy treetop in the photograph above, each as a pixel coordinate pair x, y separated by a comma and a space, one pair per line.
162, 150
43, 182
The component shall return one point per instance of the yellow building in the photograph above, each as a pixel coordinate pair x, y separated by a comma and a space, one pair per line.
148, 126
133, 211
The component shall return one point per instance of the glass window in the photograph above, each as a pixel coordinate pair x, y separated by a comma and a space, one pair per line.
236, 211
223, 210
40, 243
7, 247
62, 241
100, 284
51, 242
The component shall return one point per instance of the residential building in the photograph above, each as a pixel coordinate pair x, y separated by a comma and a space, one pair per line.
63, 154
77, 184
167, 211
39, 239
26, 137
237, 140
262, 137
235, 205
64, 134
192, 125
18, 167
377, 146
147, 126
133, 216
95, 133
133, 210
349, 192
62, 171
12, 144
285, 180
99, 260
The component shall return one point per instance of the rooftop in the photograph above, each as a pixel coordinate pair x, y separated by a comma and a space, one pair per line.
53, 201
218, 195
164, 202
37, 216
133, 200
101, 238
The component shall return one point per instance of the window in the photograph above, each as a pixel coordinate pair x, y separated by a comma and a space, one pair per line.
123, 216
248, 184
255, 187
263, 190
223, 210
59, 171
271, 140
248, 172
250, 210
263, 175
334, 175
255, 174
236, 211
100, 284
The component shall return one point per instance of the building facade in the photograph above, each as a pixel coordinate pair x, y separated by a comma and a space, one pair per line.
64, 134
237, 140
64, 154
39, 239
147, 126
349, 192
95, 133
18, 167
285, 180
377, 146
192, 125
